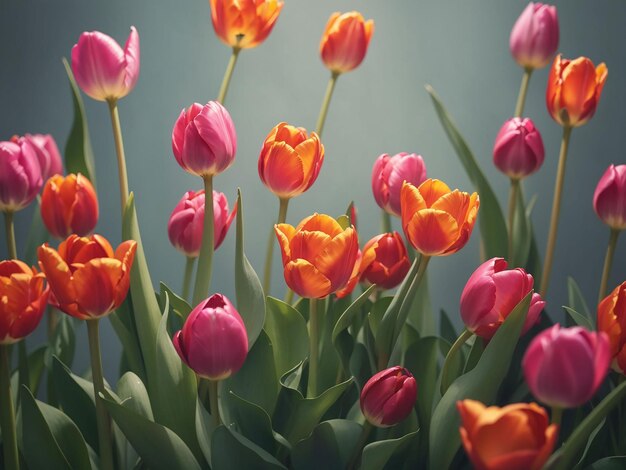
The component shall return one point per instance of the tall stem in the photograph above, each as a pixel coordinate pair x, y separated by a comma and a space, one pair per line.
386, 222
313, 348
321, 119
228, 75
282, 216
119, 150
10, 233
556, 209
205, 260
608, 261
213, 402
7, 413
523, 89
189, 264
512, 204
458, 344
104, 424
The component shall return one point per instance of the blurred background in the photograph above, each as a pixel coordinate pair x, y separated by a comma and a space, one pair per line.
460, 48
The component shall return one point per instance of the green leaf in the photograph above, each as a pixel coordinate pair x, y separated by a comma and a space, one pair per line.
288, 334
579, 319
491, 221
446, 328
617, 462
249, 420
577, 302
523, 235
421, 315
204, 430
481, 384
63, 342
377, 454
248, 288
179, 305
476, 351
344, 221
133, 394
230, 450
37, 235
78, 151
123, 322
36, 367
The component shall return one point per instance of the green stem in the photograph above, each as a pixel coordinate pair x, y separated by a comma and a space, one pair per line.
454, 349
119, 150
189, 264
321, 119
7, 413
557, 415
386, 222
356, 456
213, 402
556, 209
313, 348
282, 216
608, 262
104, 424
10, 232
228, 74
512, 205
205, 260
523, 90
289, 296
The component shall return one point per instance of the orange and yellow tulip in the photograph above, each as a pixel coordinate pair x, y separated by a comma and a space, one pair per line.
345, 41
24, 300
436, 220
318, 255
514, 437
574, 89
612, 321
87, 278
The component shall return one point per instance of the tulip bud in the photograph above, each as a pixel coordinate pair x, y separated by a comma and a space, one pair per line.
385, 261
187, 222
388, 174
535, 36
213, 341
564, 367
47, 153
103, 70
345, 41
612, 322
20, 175
69, 205
491, 294
388, 397
204, 139
518, 150
609, 199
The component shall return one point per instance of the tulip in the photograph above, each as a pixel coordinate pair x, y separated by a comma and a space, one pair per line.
290, 160
187, 220
574, 89
24, 300
388, 397
518, 150
516, 436
385, 261
104, 70
354, 278
436, 220
609, 199
612, 322
69, 205
47, 153
535, 36
564, 367
388, 175
318, 255
20, 175
345, 41
491, 294
87, 278
213, 341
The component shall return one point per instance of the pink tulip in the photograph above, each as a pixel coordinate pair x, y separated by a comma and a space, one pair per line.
204, 139
213, 341
565, 366
518, 150
389, 396
491, 294
609, 199
47, 153
388, 174
102, 69
535, 36
20, 175
186, 222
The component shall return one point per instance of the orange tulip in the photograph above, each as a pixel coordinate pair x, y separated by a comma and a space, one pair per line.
69, 205
24, 300
515, 437
436, 220
318, 255
612, 321
345, 41
290, 160
244, 23
88, 280
574, 89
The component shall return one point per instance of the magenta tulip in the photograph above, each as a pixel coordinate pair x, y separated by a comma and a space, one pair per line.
491, 294
535, 36
609, 199
20, 175
47, 153
388, 397
518, 150
204, 139
564, 367
388, 174
213, 341
186, 222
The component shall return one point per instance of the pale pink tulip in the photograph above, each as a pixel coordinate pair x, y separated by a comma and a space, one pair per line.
20, 175
388, 174
47, 153
535, 36
609, 199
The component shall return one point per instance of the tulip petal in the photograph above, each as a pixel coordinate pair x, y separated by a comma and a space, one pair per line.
578, 88
432, 189
411, 202
57, 273
321, 222
284, 233
131, 57
308, 245
431, 231
337, 260
96, 284
306, 281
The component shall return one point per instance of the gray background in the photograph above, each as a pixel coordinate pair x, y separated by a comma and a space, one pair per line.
460, 47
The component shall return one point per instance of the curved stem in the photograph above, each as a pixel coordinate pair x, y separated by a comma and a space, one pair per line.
454, 349
556, 209
608, 262
189, 264
386, 222
104, 424
282, 216
512, 206
313, 348
356, 456
321, 119
205, 260
10, 233
228, 74
523, 90
7, 413
289, 296
213, 402
119, 150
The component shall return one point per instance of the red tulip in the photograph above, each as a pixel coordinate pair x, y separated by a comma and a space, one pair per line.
518, 150
388, 397
609, 199
345, 41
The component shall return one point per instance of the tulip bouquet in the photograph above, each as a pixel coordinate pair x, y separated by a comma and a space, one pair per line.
342, 366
